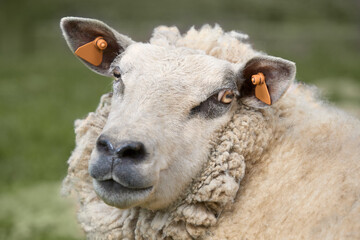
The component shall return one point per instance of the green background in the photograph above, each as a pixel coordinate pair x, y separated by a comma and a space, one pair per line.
44, 88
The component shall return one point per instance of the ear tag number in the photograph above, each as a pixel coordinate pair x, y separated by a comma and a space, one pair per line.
92, 52
261, 90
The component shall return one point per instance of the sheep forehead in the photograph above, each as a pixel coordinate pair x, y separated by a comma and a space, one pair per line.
182, 70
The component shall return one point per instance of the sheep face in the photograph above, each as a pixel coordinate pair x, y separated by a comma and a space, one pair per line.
167, 105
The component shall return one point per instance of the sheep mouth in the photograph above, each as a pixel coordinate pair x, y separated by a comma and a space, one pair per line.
111, 185
117, 195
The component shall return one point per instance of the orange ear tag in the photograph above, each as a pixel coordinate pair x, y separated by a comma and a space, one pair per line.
92, 52
261, 90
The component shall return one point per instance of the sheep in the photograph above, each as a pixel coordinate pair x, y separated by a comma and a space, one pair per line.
184, 149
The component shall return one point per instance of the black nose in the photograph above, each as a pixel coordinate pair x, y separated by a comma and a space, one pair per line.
131, 150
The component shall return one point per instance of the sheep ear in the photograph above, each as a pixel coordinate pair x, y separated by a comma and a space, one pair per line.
80, 32
278, 73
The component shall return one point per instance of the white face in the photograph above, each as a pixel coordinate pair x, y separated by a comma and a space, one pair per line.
166, 106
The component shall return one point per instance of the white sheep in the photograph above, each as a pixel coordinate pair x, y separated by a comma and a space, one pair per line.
164, 155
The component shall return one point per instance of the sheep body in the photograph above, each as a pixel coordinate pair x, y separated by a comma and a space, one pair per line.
302, 168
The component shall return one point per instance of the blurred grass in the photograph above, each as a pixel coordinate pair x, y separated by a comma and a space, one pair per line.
43, 88
37, 212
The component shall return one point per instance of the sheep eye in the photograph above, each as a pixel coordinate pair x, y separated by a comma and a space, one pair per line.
216, 105
116, 73
118, 84
226, 96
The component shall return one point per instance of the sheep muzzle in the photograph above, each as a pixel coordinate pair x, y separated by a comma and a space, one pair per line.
121, 173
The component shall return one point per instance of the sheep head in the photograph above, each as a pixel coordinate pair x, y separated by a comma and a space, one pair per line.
167, 104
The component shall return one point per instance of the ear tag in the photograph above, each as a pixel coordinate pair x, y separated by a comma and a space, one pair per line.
92, 52
261, 90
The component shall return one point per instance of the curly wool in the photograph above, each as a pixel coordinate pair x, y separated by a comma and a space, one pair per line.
230, 46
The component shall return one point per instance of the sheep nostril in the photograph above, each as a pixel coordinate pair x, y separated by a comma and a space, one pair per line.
131, 150
103, 145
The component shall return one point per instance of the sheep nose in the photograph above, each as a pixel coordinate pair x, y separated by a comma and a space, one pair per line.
131, 150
